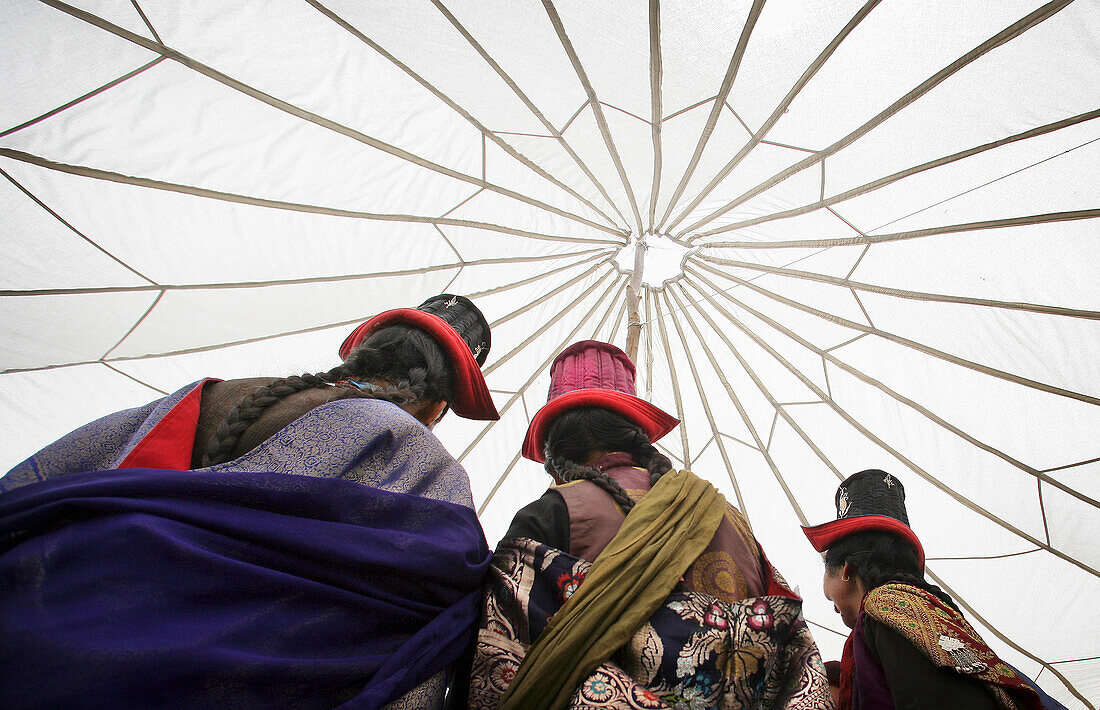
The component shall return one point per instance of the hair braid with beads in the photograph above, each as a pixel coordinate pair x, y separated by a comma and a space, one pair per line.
577, 433
410, 362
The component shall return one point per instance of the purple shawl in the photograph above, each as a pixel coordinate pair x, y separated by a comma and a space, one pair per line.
143, 587
338, 563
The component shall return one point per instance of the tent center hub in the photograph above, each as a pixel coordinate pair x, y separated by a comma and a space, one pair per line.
662, 259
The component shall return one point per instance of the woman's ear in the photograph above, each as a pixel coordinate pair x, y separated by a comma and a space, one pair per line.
428, 412
850, 573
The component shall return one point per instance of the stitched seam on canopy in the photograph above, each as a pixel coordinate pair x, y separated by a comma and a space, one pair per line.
100, 174
882, 444
453, 105
1030, 470
311, 117
716, 109
1011, 32
597, 110
756, 136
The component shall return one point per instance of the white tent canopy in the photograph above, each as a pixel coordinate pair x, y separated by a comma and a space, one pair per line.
869, 234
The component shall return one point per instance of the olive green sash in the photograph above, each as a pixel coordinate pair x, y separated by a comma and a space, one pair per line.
669, 527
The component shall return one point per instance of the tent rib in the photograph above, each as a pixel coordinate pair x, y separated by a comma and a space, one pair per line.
985, 557
706, 406
908, 172
81, 99
489, 369
1071, 465
133, 327
905, 293
826, 628
1076, 660
313, 118
597, 110
623, 111
963, 500
1043, 509
974, 613
760, 446
591, 254
537, 277
675, 380
695, 105
958, 497
756, 136
464, 201
983, 185
616, 323
656, 99
76, 231
789, 147
545, 297
499, 483
111, 367
716, 110
99, 174
515, 459
561, 346
1011, 32
186, 351
912, 344
522, 96
453, 105
1047, 218
901, 399
448, 242
780, 409
648, 347
146, 21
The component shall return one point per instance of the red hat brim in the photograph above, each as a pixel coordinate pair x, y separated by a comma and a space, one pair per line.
653, 421
472, 399
823, 536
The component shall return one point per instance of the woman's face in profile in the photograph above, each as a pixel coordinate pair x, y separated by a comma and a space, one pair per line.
843, 590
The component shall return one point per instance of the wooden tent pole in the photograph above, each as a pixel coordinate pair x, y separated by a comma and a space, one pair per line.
633, 298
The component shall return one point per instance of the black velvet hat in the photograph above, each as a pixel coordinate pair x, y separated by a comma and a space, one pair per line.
461, 330
868, 500
466, 319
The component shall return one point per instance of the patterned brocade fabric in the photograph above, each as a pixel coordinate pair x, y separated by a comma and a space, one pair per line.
361, 440
696, 652
948, 640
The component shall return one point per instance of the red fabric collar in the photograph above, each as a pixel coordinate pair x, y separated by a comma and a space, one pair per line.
171, 441
847, 669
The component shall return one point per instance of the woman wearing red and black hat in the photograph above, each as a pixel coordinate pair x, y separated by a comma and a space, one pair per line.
303, 541
629, 584
910, 646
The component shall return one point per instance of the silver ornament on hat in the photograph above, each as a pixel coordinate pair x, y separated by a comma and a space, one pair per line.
844, 505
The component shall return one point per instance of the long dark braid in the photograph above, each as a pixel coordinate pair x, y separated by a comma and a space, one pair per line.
880, 557
407, 359
579, 432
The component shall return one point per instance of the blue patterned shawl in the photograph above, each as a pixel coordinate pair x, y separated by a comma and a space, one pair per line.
277, 580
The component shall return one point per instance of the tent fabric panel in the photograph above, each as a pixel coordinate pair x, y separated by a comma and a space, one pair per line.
39, 48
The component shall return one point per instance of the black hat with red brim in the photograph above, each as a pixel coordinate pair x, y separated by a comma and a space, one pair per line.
868, 500
593, 374
461, 331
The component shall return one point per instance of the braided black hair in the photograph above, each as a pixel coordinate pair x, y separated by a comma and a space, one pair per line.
580, 432
410, 362
879, 557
